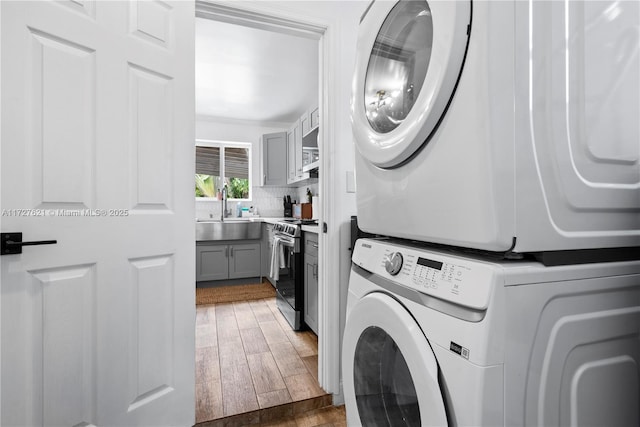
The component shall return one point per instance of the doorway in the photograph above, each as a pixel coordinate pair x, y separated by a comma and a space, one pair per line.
252, 334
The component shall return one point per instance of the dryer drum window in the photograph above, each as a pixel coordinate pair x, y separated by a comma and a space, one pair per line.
398, 64
383, 385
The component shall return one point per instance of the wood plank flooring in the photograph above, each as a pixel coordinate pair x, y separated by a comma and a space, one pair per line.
249, 359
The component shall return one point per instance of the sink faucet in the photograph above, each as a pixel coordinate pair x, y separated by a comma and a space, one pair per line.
223, 214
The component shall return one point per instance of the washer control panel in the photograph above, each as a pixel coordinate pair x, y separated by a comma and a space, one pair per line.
450, 277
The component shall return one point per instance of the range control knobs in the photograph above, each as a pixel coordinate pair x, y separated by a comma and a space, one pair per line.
393, 263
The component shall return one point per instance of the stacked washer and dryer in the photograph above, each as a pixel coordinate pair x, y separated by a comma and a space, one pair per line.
498, 157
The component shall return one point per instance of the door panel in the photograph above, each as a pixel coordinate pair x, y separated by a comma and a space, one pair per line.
62, 75
151, 21
97, 103
150, 359
151, 145
67, 297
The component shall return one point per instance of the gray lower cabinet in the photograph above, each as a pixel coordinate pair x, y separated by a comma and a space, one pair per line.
244, 260
220, 261
311, 280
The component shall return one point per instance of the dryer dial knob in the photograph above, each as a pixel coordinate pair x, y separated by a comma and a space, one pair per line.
393, 263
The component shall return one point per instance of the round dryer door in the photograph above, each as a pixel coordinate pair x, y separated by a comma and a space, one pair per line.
409, 58
390, 372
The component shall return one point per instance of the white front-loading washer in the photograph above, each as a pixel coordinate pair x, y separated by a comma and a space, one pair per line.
499, 125
433, 337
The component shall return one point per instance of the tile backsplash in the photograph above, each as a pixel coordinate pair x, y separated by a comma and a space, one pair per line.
268, 201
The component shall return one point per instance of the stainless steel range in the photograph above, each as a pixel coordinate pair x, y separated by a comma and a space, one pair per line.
287, 268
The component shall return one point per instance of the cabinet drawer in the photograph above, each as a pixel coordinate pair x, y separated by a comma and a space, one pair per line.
311, 243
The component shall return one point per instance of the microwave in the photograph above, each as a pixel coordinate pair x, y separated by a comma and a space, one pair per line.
310, 155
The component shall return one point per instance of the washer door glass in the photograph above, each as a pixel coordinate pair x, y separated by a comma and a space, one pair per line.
398, 65
385, 393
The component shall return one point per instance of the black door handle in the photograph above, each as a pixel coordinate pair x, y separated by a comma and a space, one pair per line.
12, 243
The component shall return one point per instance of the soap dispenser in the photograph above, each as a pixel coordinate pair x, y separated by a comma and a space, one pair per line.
239, 210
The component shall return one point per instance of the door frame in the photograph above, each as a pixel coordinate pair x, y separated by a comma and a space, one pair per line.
286, 22
0, 217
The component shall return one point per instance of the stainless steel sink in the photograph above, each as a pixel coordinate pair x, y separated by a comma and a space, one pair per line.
234, 229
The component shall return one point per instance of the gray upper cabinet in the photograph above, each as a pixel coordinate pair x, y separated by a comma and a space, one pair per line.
274, 159
294, 154
296, 139
310, 121
315, 119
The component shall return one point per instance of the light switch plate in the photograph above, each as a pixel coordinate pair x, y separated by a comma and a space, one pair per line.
351, 182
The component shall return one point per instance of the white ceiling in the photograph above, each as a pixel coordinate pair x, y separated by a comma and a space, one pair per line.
253, 75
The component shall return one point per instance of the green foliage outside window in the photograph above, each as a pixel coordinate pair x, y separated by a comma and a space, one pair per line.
238, 188
205, 186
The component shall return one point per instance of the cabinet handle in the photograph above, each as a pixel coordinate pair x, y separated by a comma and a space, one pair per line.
315, 245
315, 270
231, 247
226, 252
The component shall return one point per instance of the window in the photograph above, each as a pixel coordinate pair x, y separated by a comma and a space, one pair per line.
223, 163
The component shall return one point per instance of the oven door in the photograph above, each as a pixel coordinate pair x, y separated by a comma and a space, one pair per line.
289, 283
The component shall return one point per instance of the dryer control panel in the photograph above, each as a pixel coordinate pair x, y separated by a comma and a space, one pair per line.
449, 277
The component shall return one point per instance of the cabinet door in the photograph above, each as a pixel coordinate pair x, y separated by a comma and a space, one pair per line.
274, 159
297, 164
311, 292
212, 262
315, 119
244, 260
305, 123
291, 155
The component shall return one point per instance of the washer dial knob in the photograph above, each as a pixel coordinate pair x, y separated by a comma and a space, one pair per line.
393, 263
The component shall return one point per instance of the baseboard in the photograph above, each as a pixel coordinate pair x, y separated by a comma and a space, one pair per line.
338, 398
228, 282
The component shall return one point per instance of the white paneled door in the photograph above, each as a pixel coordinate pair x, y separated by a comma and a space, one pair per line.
97, 153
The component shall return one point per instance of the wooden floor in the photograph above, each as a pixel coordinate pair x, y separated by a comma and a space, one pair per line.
249, 359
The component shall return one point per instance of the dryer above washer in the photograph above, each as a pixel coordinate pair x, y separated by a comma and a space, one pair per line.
504, 126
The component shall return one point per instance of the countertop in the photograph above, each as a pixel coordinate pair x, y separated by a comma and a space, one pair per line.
311, 228
306, 228
249, 219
